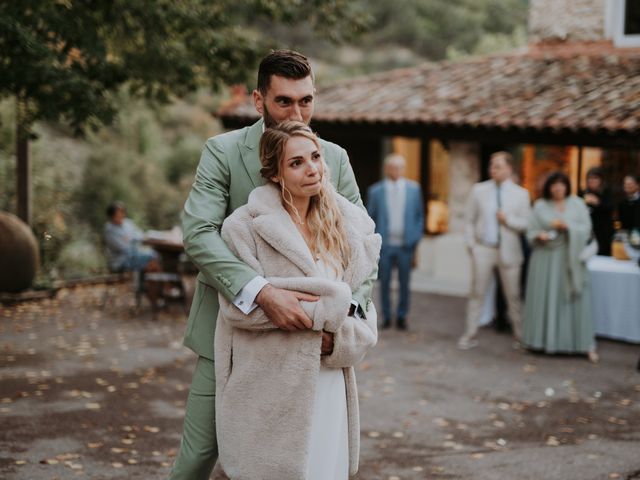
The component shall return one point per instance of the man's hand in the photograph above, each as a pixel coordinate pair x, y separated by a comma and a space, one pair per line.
327, 343
591, 199
502, 218
283, 308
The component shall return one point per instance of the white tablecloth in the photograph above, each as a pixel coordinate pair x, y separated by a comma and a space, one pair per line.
615, 298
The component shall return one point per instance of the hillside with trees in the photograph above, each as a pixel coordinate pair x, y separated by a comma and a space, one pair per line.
133, 130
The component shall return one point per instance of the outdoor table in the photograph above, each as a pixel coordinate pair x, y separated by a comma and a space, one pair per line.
169, 251
170, 247
615, 298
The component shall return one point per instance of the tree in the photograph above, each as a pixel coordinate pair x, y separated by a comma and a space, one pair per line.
65, 59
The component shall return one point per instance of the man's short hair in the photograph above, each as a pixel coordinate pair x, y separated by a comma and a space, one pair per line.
283, 63
508, 158
114, 207
595, 172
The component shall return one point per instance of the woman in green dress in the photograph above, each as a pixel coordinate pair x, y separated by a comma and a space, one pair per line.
557, 315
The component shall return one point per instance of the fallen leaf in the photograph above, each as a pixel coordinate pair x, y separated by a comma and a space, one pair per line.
553, 441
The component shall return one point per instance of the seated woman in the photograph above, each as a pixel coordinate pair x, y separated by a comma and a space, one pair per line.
283, 410
123, 241
557, 315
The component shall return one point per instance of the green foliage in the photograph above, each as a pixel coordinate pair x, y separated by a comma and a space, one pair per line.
67, 58
407, 32
147, 159
432, 26
80, 63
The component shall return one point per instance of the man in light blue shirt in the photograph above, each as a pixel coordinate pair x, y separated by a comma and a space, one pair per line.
396, 205
123, 241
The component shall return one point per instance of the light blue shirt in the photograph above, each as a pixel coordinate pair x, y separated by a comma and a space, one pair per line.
120, 241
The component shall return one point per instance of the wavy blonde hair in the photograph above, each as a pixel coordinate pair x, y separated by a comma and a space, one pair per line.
323, 217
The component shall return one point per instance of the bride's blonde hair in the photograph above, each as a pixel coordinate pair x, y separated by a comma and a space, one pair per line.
323, 217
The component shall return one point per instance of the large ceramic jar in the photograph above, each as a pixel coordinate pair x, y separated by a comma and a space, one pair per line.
19, 254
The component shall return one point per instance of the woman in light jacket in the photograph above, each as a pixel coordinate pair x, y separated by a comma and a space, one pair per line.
283, 410
557, 314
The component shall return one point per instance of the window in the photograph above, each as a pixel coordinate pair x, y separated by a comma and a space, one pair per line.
632, 17
625, 22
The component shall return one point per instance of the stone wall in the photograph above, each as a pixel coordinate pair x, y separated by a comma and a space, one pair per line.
566, 20
464, 171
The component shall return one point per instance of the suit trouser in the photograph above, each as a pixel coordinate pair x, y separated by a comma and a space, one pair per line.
484, 261
400, 257
199, 446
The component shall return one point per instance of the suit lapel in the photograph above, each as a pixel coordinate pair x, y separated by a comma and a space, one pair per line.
250, 155
384, 221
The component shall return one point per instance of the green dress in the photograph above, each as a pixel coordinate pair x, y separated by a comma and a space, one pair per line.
557, 317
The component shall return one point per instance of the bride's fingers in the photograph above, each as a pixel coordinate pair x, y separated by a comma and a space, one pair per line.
306, 297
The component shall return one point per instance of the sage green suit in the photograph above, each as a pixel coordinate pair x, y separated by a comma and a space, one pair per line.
229, 170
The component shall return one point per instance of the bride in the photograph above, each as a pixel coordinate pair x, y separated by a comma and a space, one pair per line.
286, 405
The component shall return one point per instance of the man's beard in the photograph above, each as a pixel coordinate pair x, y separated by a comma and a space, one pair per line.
269, 121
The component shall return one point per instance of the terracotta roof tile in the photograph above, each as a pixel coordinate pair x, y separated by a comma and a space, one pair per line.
599, 91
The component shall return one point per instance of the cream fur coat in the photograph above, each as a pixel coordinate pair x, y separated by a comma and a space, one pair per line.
266, 377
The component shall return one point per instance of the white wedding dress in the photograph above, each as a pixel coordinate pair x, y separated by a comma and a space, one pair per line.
329, 440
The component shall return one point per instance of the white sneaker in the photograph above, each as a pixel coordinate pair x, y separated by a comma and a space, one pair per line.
466, 343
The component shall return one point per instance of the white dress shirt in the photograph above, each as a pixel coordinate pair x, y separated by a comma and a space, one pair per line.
492, 227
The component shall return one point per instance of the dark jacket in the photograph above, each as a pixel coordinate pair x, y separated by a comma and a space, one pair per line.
602, 219
629, 213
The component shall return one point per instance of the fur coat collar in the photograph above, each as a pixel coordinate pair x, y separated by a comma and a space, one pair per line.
273, 223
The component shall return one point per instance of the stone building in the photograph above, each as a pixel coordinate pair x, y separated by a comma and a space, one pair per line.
568, 101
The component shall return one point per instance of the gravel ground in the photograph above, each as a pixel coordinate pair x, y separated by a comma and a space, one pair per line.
87, 392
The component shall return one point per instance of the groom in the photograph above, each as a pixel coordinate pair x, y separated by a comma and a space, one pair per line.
229, 170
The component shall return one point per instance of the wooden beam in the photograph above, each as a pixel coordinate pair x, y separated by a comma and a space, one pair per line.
509, 135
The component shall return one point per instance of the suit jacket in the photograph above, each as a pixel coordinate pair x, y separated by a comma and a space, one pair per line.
629, 213
228, 171
413, 212
517, 208
266, 377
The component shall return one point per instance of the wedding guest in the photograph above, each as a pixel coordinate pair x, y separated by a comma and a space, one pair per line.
629, 208
123, 241
396, 205
497, 213
600, 204
557, 316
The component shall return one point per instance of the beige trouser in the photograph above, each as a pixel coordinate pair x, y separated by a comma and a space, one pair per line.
484, 261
